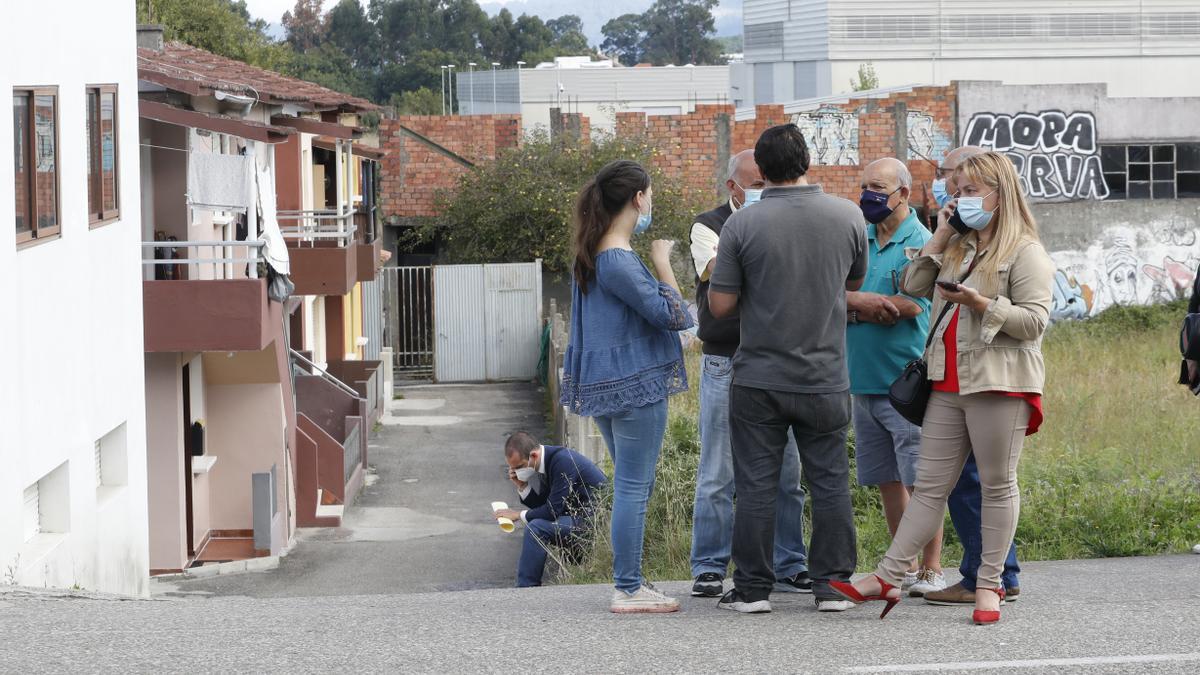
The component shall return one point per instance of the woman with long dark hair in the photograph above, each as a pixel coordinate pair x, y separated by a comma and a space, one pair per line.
624, 357
993, 295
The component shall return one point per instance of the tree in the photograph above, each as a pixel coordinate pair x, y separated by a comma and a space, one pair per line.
679, 32
222, 27
304, 25
351, 31
867, 79
623, 38
568, 34
423, 101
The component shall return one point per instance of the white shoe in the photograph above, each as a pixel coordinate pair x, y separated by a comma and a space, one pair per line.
1196, 548
928, 581
910, 578
647, 600
832, 605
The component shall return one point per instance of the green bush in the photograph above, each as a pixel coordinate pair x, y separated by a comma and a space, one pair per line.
1113, 472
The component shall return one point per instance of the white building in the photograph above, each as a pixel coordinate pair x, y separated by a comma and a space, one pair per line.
72, 412
597, 90
799, 49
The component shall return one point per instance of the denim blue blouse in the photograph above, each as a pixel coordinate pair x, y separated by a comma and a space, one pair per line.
623, 351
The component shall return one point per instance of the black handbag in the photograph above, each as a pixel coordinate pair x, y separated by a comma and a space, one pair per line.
1189, 349
909, 394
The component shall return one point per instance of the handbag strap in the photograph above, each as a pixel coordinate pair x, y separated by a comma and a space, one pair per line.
946, 309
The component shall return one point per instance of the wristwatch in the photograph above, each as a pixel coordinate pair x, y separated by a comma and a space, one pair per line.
854, 316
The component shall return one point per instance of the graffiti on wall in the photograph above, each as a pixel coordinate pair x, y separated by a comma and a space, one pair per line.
1057, 154
1127, 265
832, 136
925, 139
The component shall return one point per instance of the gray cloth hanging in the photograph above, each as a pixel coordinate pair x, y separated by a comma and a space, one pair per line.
220, 182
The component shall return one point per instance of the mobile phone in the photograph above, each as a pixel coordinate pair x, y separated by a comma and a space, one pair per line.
957, 223
948, 285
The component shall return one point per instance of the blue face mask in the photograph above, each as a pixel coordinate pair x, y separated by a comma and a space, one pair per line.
643, 223
752, 196
874, 206
939, 192
971, 213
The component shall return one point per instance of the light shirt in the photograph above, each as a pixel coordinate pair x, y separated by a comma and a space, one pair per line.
704, 245
535, 480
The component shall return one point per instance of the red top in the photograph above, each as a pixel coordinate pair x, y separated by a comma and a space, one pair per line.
950, 383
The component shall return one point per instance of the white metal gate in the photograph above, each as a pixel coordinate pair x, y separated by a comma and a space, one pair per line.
487, 321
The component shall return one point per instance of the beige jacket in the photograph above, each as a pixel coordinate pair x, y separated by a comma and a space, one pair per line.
1000, 350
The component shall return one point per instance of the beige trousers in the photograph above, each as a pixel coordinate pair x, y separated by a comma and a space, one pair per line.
994, 427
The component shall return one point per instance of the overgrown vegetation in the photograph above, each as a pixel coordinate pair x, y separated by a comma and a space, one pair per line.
1113, 472
519, 206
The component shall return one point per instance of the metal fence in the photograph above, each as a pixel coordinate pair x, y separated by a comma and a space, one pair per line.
352, 450
408, 320
172, 260
372, 295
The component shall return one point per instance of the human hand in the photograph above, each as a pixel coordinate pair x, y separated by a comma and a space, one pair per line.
944, 229
511, 514
512, 476
966, 296
873, 308
660, 250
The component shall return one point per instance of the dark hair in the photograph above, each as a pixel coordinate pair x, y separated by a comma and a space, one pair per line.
600, 200
781, 153
520, 443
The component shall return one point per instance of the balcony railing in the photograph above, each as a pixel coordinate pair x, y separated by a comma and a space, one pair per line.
314, 227
201, 260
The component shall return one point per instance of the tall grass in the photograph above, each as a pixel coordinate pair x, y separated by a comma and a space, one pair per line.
1114, 471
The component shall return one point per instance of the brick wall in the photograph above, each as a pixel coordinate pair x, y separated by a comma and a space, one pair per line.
843, 139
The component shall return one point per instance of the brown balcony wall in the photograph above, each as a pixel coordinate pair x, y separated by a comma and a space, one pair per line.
209, 315
323, 270
368, 260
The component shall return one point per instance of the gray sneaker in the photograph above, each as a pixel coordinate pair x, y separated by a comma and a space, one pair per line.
735, 601
797, 583
928, 581
647, 600
833, 605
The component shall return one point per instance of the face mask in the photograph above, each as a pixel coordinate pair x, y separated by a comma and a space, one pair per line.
525, 473
970, 212
643, 223
874, 206
752, 195
939, 192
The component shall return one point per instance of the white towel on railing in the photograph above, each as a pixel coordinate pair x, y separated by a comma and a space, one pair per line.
220, 182
275, 248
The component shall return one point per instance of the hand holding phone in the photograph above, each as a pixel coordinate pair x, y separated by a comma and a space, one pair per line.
951, 286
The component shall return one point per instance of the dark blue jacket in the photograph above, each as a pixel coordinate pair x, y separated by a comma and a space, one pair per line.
568, 488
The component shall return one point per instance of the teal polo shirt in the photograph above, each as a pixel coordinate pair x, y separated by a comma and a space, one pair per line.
877, 353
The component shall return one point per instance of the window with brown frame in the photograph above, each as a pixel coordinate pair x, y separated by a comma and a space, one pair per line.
35, 157
102, 153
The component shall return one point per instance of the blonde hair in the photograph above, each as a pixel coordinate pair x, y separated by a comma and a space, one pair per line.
1013, 221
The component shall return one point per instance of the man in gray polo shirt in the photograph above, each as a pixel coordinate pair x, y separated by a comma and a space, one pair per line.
785, 265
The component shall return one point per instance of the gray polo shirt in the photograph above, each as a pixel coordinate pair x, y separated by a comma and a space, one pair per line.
789, 257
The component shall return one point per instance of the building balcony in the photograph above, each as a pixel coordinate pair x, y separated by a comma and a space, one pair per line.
206, 296
323, 249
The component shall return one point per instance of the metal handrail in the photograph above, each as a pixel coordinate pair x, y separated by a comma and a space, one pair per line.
297, 356
313, 224
256, 248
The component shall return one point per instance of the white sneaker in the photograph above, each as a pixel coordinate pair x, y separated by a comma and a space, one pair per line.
647, 600
928, 581
1196, 548
833, 605
910, 578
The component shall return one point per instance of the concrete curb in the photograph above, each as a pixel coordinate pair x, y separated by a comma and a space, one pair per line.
223, 569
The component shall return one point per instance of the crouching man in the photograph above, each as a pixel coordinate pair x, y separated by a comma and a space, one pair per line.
557, 487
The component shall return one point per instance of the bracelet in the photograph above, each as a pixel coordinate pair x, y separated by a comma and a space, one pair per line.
854, 316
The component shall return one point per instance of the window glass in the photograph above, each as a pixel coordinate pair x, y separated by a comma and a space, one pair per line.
108, 151
21, 161
45, 164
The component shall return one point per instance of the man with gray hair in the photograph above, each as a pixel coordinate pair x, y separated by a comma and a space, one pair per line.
887, 330
712, 517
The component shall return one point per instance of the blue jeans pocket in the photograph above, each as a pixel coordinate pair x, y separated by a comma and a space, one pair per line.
718, 366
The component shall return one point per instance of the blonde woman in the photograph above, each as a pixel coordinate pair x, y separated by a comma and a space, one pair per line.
985, 361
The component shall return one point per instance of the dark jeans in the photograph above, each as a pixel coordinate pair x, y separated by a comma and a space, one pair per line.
539, 536
965, 503
759, 421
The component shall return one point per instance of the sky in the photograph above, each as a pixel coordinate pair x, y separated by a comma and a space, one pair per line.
728, 15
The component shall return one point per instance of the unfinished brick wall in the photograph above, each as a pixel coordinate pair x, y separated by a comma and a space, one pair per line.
917, 126
414, 170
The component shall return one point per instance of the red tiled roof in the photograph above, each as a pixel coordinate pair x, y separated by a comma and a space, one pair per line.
195, 71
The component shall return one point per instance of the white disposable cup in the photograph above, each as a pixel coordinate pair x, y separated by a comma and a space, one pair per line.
505, 523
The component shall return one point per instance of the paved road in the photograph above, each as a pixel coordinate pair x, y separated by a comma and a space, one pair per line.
424, 521
1109, 616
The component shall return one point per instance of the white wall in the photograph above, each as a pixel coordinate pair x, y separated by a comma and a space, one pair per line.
73, 324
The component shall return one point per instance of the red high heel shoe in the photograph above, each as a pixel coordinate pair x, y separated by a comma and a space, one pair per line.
849, 592
987, 617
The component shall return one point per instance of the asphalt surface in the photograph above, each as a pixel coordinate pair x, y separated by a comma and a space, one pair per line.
1130, 615
423, 523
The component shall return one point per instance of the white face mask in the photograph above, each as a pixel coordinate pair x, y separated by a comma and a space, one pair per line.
525, 473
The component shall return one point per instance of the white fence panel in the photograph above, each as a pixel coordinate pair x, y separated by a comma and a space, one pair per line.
514, 298
458, 320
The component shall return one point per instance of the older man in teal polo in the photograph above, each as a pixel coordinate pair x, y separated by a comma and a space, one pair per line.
887, 329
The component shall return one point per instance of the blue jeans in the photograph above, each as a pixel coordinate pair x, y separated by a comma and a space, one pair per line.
712, 516
634, 439
965, 503
539, 535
